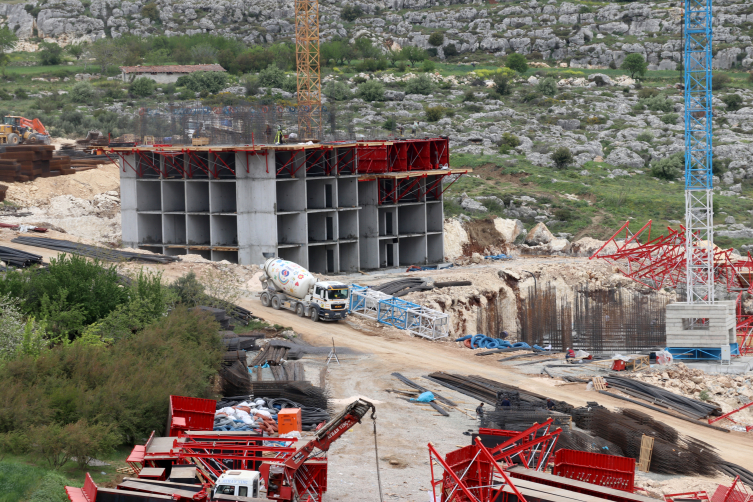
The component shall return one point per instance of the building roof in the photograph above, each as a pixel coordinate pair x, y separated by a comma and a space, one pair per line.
174, 68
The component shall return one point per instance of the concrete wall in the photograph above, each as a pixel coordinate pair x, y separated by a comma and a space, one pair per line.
160, 78
718, 331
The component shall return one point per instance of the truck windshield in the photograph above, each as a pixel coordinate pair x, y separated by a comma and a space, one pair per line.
225, 490
338, 294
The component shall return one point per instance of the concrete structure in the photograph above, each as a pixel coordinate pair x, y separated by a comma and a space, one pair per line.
165, 74
717, 326
328, 207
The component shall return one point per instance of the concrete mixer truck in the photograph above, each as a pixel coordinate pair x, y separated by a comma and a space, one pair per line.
289, 286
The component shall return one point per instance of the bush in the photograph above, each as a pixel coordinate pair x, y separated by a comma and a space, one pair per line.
450, 50
271, 76
419, 85
647, 92
350, 13
390, 124
50, 53
517, 62
210, 82
612, 65
508, 142
436, 39
657, 104
719, 81
670, 118
547, 86
531, 96
427, 66
290, 84
150, 11
502, 85
142, 87
646, 137
371, 90
669, 168
469, 96
733, 101
11, 328
434, 113
203, 54
251, 83
720, 166
634, 64
337, 91
562, 157
21, 93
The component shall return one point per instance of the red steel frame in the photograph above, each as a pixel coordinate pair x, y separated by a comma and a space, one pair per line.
440, 153
748, 428
530, 451
419, 155
290, 164
372, 158
734, 493
596, 468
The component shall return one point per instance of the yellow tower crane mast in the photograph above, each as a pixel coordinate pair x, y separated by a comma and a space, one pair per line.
308, 59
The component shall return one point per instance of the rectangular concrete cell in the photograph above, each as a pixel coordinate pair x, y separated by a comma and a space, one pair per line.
368, 225
197, 229
231, 256
291, 228
223, 165
413, 250
174, 228
411, 219
175, 251
435, 248
291, 195
348, 224
296, 254
148, 195
204, 253
222, 197
388, 253
348, 257
434, 217
323, 259
322, 226
173, 196
174, 166
347, 192
224, 230
321, 193
388, 224
150, 228
197, 196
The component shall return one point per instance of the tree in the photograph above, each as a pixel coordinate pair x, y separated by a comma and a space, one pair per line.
434, 113
547, 86
333, 51
436, 39
150, 11
450, 50
413, 54
50, 53
419, 85
11, 327
8, 41
337, 91
271, 76
634, 64
142, 87
669, 168
203, 54
210, 82
366, 48
82, 92
502, 84
350, 13
75, 50
562, 157
371, 90
106, 53
733, 101
517, 62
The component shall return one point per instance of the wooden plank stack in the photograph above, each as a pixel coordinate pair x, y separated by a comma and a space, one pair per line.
25, 162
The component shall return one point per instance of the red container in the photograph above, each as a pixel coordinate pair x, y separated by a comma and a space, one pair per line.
596, 468
618, 365
372, 158
419, 155
289, 420
198, 414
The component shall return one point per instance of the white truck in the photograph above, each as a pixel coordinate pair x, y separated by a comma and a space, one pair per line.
237, 485
288, 285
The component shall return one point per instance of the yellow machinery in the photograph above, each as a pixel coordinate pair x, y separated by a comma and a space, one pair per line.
17, 130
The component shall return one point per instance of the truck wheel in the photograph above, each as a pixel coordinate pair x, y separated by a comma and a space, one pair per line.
299, 310
12, 139
265, 299
276, 302
314, 315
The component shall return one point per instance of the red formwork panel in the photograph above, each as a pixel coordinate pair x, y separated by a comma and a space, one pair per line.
440, 153
596, 468
198, 414
398, 156
86, 494
372, 158
419, 154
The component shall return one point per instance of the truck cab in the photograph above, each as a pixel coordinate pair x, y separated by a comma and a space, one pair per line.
331, 297
238, 484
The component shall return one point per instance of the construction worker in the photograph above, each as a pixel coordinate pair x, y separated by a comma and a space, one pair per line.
480, 411
278, 136
505, 403
570, 354
414, 128
549, 404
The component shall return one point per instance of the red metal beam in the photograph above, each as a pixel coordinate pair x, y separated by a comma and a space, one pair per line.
459, 175
148, 162
227, 166
199, 163
410, 187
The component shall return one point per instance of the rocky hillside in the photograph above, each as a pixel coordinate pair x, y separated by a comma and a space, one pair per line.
582, 34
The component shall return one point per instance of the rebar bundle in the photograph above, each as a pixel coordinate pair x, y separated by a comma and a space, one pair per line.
580, 441
489, 391
691, 408
95, 252
17, 258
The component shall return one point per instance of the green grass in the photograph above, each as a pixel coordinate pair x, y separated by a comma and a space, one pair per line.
21, 481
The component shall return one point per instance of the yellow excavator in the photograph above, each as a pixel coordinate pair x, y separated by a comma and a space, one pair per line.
17, 130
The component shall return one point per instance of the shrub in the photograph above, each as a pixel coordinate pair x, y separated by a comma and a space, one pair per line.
271, 76
469, 96
371, 90
413, 54
427, 66
531, 96
657, 104
21, 93
203, 54
669, 168
733, 101
647, 92
11, 327
719, 81
350, 13
517, 62
720, 166
646, 137
612, 65
508, 142
502, 84
210, 82
337, 91
434, 113
436, 39
290, 84
50, 53
188, 289
150, 11
473, 108
547, 86
634, 64
419, 85
5, 96
390, 124
251, 83
670, 118
142, 87
562, 157
450, 50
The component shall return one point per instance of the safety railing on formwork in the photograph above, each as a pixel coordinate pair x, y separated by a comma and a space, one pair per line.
412, 317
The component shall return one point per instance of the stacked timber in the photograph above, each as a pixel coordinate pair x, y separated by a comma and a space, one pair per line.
26, 162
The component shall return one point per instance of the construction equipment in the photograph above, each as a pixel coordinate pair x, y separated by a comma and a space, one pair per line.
308, 59
16, 130
288, 285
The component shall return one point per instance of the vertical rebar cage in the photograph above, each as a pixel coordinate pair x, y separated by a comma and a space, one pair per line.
699, 217
307, 62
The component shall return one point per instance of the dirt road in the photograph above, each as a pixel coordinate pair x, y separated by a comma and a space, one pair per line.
386, 350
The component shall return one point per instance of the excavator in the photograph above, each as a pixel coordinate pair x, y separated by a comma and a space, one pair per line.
17, 130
